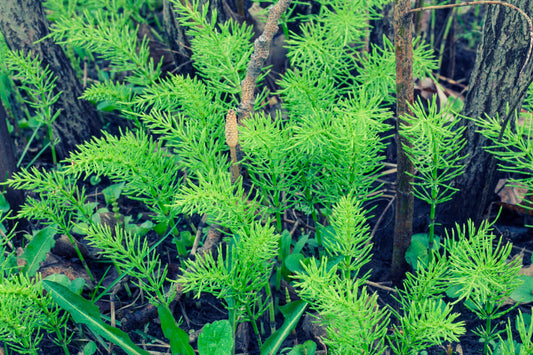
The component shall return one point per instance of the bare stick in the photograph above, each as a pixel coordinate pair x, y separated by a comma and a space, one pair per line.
489, 2
261, 51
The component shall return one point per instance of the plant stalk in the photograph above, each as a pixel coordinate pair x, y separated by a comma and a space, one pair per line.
403, 228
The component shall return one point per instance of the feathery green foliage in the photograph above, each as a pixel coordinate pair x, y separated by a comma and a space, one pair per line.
238, 273
377, 73
151, 175
221, 55
334, 288
25, 312
110, 35
132, 255
321, 155
39, 85
513, 148
435, 144
510, 347
483, 274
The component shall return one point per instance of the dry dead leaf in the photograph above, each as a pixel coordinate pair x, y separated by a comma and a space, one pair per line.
527, 270
512, 195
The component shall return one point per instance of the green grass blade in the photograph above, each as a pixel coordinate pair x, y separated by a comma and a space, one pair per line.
83, 311
179, 340
292, 312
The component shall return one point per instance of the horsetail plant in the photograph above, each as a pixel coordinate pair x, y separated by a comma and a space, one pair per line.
39, 86
26, 311
237, 274
232, 139
271, 165
525, 332
483, 275
333, 287
512, 147
434, 149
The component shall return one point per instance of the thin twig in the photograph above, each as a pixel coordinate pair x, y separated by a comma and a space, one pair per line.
258, 58
294, 227
380, 218
198, 234
385, 288
489, 2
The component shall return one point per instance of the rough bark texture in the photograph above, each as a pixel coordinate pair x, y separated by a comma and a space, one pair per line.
177, 40
403, 226
494, 84
23, 22
383, 26
8, 163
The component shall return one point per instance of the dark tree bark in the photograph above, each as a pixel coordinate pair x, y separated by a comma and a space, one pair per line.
403, 224
177, 40
8, 163
495, 84
383, 27
23, 22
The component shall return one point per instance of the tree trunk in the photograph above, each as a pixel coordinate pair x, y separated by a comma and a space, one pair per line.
383, 26
403, 224
23, 22
495, 85
177, 40
8, 163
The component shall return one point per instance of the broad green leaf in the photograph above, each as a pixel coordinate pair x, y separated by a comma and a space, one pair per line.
418, 249
75, 285
216, 339
294, 262
179, 340
139, 230
302, 240
524, 292
83, 311
112, 192
161, 228
4, 205
307, 348
89, 348
36, 250
292, 312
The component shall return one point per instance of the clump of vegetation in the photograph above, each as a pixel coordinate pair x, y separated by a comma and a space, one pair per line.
321, 158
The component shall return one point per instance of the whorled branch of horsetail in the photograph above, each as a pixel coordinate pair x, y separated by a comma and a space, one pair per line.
232, 139
489, 2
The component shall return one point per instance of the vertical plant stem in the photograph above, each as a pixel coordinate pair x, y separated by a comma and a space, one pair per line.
418, 20
276, 202
432, 224
52, 144
232, 321
278, 221
254, 325
317, 229
240, 7
271, 310
232, 140
488, 330
261, 51
451, 18
403, 228
434, 193
235, 166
